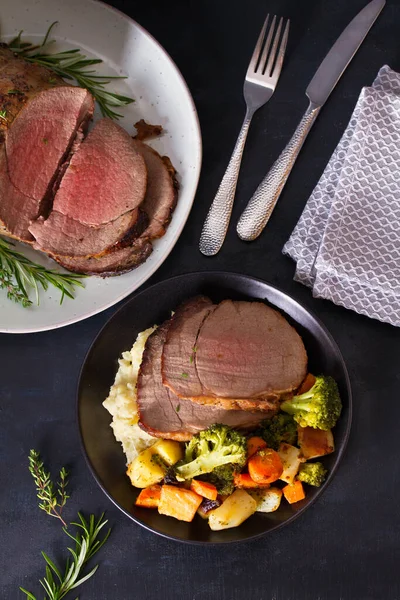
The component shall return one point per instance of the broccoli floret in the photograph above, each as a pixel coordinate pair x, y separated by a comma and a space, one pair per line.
222, 478
281, 428
319, 408
312, 473
216, 446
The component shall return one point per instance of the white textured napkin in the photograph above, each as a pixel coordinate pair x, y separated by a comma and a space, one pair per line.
347, 241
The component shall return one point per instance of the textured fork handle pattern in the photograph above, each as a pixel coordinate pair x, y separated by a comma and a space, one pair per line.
217, 221
262, 203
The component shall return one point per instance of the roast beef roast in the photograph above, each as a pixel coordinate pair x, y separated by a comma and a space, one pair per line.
64, 236
246, 356
178, 359
92, 202
162, 190
20, 81
106, 177
158, 204
116, 262
34, 147
163, 414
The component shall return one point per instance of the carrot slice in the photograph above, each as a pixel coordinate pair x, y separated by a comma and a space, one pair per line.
179, 503
254, 444
307, 384
265, 466
207, 490
243, 480
294, 492
149, 497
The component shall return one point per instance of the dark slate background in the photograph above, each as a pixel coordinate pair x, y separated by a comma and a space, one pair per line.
347, 546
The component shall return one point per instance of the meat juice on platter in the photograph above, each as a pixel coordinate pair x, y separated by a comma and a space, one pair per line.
230, 380
92, 202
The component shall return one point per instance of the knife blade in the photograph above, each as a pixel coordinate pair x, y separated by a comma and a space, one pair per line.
262, 203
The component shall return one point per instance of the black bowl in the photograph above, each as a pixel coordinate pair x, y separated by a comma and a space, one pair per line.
104, 455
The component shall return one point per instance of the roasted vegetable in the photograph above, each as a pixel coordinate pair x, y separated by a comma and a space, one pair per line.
147, 469
149, 497
267, 500
291, 460
178, 502
281, 428
169, 450
205, 489
254, 444
238, 507
294, 492
315, 442
207, 506
320, 407
243, 480
265, 466
216, 446
223, 479
152, 464
312, 473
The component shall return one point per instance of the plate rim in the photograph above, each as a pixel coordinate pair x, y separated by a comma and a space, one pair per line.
340, 452
161, 260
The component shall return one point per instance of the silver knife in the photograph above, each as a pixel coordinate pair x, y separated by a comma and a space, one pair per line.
262, 203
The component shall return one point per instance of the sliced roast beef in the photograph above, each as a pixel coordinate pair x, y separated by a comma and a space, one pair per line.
34, 147
40, 136
162, 190
106, 177
66, 237
158, 204
116, 262
178, 359
247, 356
163, 414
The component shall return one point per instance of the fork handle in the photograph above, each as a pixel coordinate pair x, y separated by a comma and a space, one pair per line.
259, 209
217, 221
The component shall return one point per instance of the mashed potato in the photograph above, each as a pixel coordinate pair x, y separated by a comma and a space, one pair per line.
121, 401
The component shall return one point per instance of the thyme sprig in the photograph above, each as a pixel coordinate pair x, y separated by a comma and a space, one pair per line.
57, 584
18, 274
52, 498
72, 64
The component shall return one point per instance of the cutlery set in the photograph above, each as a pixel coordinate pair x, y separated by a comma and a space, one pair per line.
260, 83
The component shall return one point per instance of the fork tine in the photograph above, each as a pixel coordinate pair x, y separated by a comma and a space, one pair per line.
257, 50
263, 59
281, 53
272, 56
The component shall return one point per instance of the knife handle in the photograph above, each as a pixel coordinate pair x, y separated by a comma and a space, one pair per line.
259, 209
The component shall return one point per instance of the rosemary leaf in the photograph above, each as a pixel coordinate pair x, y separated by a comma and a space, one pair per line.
18, 274
51, 501
72, 64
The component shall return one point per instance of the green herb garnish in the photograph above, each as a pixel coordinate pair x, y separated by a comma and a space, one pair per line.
58, 583
3, 115
52, 498
178, 408
185, 375
72, 64
14, 92
18, 274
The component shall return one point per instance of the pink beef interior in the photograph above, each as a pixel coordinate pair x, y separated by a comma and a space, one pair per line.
248, 350
106, 177
40, 135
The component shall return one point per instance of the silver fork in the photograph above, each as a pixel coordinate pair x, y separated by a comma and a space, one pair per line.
260, 83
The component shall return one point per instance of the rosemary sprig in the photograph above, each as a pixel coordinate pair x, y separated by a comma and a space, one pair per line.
18, 274
72, 64
52, 499
57, 584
